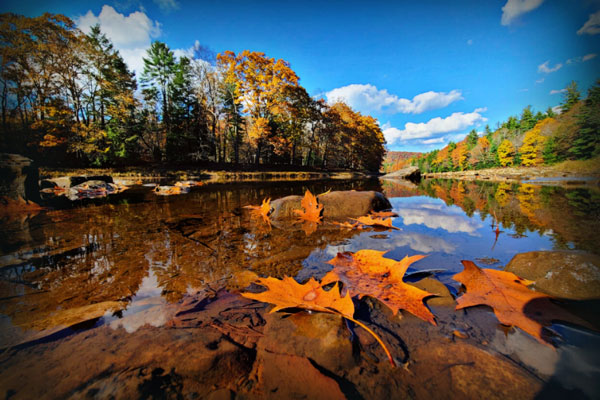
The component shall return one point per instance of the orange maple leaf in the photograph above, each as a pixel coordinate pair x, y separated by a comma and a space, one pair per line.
513, 302
312, 209
287, 293
263, 210
383, 214
367, 220
348, 225
368, 273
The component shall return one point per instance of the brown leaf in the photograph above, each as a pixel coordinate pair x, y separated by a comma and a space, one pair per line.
312, 210
367, 220
348, 225
513, 302
368, 273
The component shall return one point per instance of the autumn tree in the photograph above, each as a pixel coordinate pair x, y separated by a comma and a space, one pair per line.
261, 81
532, 148
506, 153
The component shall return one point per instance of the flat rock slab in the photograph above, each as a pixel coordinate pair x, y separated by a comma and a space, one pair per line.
404, 173
340, 204
566, 274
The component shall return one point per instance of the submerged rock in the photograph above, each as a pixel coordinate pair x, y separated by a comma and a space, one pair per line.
566, 274
339, 204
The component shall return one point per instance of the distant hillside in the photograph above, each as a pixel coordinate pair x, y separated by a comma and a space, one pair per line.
395, 160
526, 140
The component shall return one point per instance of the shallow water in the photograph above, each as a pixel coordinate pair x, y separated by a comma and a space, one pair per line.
92, 294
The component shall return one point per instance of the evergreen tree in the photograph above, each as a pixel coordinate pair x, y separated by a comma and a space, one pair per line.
570, 97
587, 141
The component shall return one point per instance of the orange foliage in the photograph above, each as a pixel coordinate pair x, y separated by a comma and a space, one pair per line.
513, 302
368, 273
312, 210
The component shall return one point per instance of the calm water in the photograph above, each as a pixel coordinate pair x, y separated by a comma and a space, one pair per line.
96, 274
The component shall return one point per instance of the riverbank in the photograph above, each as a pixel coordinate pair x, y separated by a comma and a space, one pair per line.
209, 176
566, 173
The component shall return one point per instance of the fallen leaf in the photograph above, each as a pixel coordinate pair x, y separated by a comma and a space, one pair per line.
348, 225
513, 302
368, 273
367, 220
170, 190
188, 184
287, 293
383, 214
312, 209
263, 210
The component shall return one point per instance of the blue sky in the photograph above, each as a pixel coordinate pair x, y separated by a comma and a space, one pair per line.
429, 71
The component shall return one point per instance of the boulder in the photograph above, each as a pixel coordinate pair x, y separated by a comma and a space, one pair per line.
340, 204
410, 173
566, 274
67, 182
18, 178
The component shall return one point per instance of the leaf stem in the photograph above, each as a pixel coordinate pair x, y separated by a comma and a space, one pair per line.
365, 327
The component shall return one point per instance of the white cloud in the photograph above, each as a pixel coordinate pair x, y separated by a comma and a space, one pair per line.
434, 141
546, 68
541, 80
591, 26
456, 122
131, 34
436, 216
557, 109
585, 58
167, 5
367, 98
513, 8
558, 91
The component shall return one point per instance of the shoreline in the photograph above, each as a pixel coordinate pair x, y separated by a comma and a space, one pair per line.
208, 176
542, 175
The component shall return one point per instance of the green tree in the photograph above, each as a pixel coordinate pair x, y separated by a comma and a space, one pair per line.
587, 141
527, 119
570, 97
159, 71
550, 113
472, 138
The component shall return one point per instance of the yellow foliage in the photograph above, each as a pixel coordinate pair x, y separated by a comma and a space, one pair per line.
506, 152
533, 145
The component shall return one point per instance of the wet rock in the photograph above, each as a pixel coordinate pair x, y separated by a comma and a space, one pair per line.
442, 294
18, 178
284, 376
566, 274
468, 372
67, 182
410, 173
91, 189
341, 204
321, 337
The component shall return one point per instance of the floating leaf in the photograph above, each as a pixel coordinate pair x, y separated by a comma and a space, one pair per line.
383, 214
513, 302
348, 225
367, 220
312, 209
263, 210
287, 293
368, 273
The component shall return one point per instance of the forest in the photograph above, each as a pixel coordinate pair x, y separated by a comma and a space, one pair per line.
569, 132
69, 100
